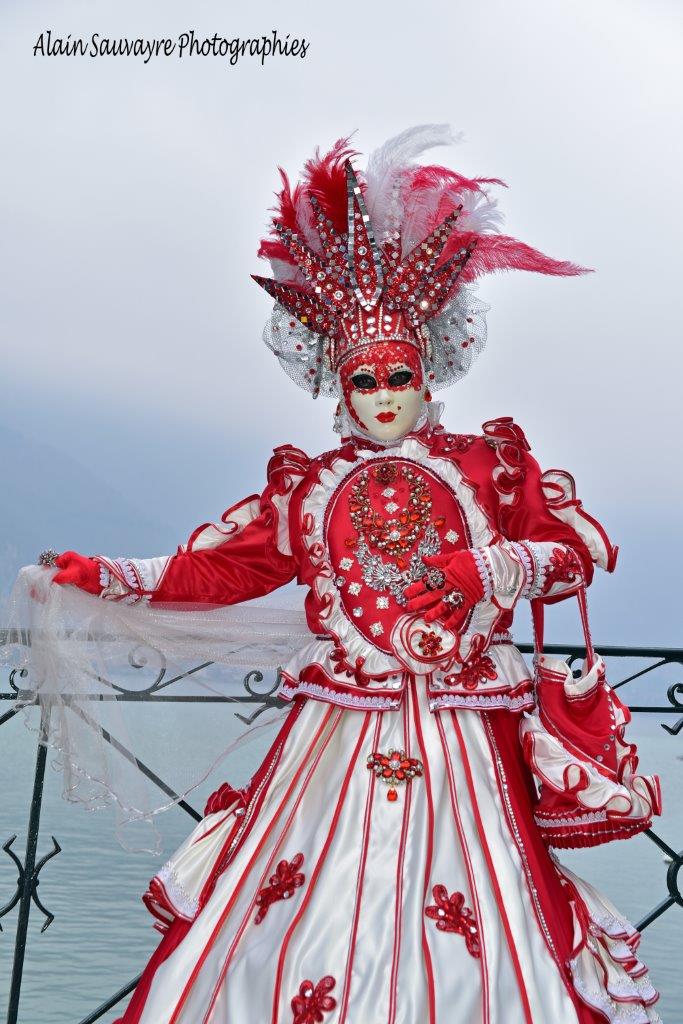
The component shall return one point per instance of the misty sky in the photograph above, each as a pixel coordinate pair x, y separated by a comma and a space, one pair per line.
133, 196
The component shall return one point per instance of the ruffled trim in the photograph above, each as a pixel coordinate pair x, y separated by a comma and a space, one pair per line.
175, 890
606, 972
559, 490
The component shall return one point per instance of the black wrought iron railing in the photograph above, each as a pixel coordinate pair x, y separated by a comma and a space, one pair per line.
667, 701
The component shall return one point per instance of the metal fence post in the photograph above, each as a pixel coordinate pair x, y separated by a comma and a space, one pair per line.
27, 880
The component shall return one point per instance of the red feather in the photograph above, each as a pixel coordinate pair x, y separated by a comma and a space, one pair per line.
325, 178
500, 252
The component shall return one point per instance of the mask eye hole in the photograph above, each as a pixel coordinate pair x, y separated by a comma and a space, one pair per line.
399, 378
363, 381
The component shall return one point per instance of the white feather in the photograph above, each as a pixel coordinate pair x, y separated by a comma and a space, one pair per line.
388, 164
479, 213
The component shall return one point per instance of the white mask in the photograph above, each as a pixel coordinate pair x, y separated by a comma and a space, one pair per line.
384, 390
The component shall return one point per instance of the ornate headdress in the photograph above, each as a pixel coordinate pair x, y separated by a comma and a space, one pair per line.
385, 255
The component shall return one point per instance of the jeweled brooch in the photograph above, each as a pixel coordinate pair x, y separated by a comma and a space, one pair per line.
394, 768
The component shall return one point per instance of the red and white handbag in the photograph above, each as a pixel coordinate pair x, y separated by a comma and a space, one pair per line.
574, 743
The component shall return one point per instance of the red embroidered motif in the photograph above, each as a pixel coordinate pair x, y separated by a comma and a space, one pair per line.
472, 675
451, 915
445, 443
394, 768
312, 1002
280, 886
564, 567
430, 643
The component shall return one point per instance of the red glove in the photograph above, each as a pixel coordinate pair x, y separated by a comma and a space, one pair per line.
78, 571
460, 582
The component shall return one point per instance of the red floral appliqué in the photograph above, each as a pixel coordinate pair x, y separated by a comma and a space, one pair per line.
564, 567
394, 768
313, 1001
226, 798
280, 886
430, 643
451, 915
472, 675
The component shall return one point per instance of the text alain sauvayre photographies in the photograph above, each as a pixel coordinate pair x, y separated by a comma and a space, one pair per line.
187, 44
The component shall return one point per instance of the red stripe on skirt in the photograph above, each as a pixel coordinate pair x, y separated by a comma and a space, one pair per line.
398, 910
486, 1008
205, 952
268, 868
492, 871
503, 736
319, 864
430, 851
361, 877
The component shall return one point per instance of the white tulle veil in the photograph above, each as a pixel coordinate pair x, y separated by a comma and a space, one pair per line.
105, 675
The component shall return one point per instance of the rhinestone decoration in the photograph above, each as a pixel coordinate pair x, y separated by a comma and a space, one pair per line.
358, 612
452, 536
313, 1002
355, 588
434, 579
382, 602
394, 769
397, 535
451, 915
48, 557
430, 643
281, 885
376, 628
346, 563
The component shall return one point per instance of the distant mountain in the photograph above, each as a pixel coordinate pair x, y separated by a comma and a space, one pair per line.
47, 499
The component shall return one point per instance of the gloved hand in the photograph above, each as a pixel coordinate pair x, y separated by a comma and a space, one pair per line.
449, 589
78, 571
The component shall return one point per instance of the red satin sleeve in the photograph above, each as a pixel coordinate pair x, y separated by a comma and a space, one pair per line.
530, 519
247, 566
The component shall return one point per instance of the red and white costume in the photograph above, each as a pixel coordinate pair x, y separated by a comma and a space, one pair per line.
389, 862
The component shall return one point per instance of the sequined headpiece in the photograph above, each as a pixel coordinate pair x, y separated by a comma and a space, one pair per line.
385, 258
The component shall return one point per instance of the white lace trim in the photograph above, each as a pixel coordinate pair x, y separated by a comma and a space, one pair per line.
481, 700
484, 570
616, 1013
347, 700
540, 569
522, 553
141, 568
582, 819
186, 905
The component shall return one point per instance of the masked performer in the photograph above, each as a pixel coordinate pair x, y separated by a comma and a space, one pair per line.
390, 860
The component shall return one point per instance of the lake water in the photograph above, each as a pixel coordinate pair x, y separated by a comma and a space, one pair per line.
102, 935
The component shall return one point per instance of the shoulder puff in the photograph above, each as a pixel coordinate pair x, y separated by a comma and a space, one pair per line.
286, 467
558, 486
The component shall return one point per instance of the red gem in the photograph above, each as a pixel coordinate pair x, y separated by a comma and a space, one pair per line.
392, 795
